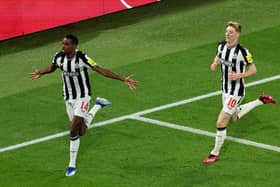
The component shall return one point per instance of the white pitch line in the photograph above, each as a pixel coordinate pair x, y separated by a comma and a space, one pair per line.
201, 97
262, 81
126, 4
205, 133
35, 141
58, 135
121, 118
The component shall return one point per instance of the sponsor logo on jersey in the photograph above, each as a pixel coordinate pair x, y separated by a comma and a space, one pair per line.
71, 74
226, 63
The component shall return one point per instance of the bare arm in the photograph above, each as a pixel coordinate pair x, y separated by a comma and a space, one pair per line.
107, 73
250, 71
215, 63
36, 74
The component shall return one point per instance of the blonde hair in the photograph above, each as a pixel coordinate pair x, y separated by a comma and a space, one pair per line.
237, 26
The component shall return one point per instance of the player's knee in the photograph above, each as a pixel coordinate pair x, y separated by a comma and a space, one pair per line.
74, 133
233, 120
221, 124
78, 128
82, 131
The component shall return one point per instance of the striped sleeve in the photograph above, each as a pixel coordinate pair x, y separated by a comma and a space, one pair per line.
218, 49
219, 46
91, 63
57, 55
88, 62
248, 58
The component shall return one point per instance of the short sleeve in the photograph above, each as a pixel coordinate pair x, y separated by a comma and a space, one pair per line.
90, 62
248, 57
57, 55
219, 48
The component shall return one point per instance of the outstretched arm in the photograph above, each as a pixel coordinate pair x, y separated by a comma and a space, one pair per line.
36, 74
107, 73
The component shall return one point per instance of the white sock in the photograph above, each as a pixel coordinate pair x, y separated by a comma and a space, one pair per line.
74, 148
94, 110
244, 109
220, 138
92, 114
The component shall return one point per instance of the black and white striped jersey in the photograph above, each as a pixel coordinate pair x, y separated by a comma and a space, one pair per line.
75, 77
234, 59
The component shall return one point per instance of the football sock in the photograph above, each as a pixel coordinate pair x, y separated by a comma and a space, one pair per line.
244, 109
74, 148
91, 114
94, 109
220, 138
210, 156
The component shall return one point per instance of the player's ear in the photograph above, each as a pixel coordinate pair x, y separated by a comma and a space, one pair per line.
238, 34
74, 46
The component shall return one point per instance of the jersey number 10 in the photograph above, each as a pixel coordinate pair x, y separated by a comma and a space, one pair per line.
232, 102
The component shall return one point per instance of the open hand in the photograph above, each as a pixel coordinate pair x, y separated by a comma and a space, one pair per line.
35, 74
130, 82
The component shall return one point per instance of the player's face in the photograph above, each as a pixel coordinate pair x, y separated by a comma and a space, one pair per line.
231, 34
68, 46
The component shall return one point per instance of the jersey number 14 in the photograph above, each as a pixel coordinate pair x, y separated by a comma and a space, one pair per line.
84, 106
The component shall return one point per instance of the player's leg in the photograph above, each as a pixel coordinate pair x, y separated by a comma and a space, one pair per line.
229, 108
99, 103
79, 109
223, 120
74, 144
247, 107
234, 116
263, 99
75, 139
69, 110
79, 125
83, 128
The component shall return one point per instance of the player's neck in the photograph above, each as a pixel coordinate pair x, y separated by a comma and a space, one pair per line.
232, 44
71, 55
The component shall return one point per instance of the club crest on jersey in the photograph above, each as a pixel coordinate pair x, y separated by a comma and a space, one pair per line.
234, 56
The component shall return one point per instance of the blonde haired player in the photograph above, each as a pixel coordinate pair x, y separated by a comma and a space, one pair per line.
236, 64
